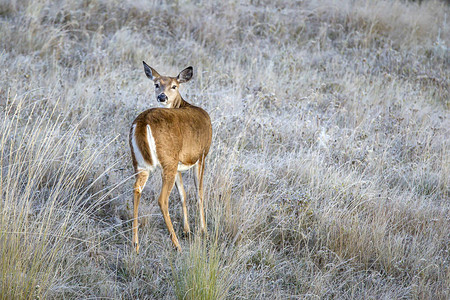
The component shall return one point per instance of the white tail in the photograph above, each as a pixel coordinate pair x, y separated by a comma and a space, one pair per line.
174, 138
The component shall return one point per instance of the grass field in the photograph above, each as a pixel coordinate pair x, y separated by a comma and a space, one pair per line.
328, 175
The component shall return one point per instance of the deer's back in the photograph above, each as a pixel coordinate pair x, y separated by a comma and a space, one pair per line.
182, 134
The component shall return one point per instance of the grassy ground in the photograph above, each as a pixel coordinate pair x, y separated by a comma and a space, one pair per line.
329, 171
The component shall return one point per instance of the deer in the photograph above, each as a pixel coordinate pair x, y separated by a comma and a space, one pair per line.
175, 138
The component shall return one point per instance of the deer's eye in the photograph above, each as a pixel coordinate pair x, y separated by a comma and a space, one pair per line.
174, 86
156, 85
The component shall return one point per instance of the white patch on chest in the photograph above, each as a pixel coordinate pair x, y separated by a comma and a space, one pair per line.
141, 163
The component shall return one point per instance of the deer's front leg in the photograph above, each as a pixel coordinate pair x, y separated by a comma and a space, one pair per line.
141, 179
179, 183
163, 201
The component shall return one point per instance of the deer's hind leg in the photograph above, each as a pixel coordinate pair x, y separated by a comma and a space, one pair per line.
198, 172
163, 201
141, 179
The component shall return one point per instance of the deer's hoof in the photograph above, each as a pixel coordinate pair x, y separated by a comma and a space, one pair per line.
187, 233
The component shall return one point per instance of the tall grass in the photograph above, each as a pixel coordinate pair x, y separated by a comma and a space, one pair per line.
202, 273
328, 175
43, 183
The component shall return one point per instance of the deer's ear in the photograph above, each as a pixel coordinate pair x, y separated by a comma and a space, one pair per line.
150, 72
185, 75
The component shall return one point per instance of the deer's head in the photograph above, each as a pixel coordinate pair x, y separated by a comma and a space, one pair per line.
166, 88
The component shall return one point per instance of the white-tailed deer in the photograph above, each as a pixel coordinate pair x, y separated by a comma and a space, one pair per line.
174, 138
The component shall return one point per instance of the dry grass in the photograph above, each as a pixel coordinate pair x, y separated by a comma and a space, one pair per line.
330, 167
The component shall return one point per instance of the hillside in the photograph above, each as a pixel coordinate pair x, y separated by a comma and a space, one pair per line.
328, 175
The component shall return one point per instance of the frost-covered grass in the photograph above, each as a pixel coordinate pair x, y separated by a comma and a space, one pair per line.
328, 175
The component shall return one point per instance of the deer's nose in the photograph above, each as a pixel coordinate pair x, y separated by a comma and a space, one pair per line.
162, 97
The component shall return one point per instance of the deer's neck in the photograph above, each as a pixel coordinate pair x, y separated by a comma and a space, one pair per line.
180, 102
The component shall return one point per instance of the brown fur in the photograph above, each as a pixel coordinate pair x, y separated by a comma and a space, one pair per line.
182, 133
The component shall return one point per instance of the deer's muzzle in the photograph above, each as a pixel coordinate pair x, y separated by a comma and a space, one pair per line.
162, 97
